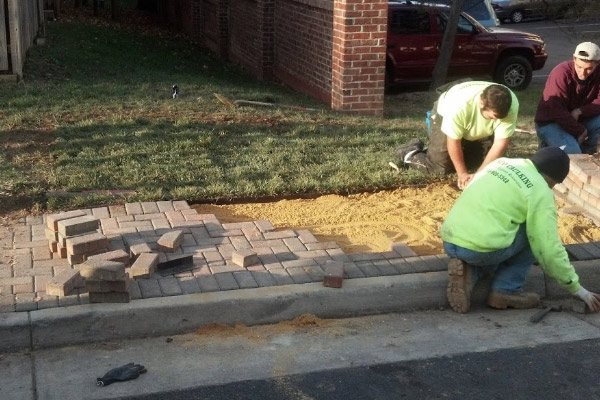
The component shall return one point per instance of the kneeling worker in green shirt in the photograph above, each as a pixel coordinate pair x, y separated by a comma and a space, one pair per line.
503, 221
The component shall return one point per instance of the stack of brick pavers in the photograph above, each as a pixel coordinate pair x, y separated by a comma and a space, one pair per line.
581, 188
106, 281
74, 235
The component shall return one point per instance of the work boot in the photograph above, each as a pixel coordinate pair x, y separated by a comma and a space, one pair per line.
459, 285
514, 300
404, 152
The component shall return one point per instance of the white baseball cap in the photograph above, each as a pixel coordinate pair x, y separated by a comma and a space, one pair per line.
587, 51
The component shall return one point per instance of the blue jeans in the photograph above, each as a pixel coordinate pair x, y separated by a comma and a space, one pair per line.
554, 135
510, 266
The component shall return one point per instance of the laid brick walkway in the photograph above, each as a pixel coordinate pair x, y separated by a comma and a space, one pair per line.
286, 257
581, 188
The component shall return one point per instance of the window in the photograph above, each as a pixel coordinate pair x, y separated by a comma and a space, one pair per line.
476, 9
464, 26
409, 22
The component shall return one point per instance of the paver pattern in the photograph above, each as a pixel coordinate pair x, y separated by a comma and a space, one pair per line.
284, 257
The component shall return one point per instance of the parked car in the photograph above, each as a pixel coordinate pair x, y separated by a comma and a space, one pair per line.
516, 11
415, 32
481, 10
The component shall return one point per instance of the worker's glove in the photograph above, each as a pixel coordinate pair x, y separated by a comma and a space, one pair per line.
122, 373
591, 299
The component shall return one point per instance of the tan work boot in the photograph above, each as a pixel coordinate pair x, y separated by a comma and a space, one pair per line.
516, 300
459, 285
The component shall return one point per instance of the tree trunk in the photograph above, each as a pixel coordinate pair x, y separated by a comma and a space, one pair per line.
440, 71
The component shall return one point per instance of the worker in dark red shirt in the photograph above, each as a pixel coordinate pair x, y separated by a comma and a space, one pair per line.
568, 115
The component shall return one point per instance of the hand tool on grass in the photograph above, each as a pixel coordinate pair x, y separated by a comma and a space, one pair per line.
538, 316
238, 103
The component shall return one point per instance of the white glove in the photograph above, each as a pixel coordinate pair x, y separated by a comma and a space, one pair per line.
591, 299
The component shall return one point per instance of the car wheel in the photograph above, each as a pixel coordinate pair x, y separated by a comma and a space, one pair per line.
516, 16
514, 72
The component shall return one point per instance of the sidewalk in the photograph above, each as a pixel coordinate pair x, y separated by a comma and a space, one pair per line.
221, 356
286, 283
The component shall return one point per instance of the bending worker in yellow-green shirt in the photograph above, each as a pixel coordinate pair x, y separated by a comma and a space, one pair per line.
503, 221
471, 125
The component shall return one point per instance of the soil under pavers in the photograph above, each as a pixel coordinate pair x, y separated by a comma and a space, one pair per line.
285, 256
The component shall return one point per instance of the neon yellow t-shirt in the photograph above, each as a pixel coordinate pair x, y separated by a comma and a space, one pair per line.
503, 195
462, 116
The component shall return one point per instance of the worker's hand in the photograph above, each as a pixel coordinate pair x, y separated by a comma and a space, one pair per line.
464, 180
581, 138
591, 299
576, 113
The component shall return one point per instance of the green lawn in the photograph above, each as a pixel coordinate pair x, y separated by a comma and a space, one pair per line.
95, 112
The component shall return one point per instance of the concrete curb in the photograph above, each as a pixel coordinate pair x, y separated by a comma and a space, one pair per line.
180, 314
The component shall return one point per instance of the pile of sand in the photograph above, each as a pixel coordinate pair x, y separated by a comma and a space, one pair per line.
370, 222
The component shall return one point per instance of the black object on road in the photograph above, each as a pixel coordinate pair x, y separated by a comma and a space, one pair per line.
123, 373
538, 316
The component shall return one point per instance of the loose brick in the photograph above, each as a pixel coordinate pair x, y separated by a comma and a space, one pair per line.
51, 235
170, 241
64, 283
144, 265
119, 255
334, 274
61, 252
98, 285
77, 226
109, 297
52, 220
53, 246
102, 269
138, 249
86, 243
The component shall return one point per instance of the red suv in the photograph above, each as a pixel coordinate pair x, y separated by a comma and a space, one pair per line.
415, 33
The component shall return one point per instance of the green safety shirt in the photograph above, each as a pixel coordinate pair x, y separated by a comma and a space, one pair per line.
459, 106
505, 194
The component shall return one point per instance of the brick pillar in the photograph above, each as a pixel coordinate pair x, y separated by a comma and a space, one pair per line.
358, 56
266, 27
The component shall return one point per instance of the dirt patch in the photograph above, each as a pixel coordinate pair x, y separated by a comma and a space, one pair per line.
370, 222
301, 323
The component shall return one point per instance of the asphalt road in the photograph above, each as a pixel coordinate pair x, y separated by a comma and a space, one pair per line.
552, 372
561, 39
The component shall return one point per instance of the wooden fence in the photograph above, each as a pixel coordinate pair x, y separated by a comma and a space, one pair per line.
21, 21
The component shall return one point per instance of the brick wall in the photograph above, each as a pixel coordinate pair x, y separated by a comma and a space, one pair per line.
333, 50
251, 35
304, 64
